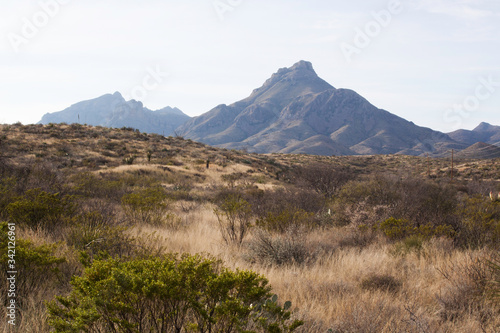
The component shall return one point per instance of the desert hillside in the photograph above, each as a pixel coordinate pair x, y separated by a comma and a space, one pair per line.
377, 243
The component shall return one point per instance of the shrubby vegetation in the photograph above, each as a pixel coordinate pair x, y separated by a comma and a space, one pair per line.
358, 244
169, 294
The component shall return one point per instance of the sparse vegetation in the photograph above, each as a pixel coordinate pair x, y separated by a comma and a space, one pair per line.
356, 243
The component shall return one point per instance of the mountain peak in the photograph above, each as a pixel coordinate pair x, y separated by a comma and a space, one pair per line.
290, 82
303, 65
483, 127
301, 68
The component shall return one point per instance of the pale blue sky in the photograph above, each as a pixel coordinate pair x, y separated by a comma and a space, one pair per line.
434, 62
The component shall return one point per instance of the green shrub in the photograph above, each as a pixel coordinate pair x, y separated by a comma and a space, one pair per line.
38, 266
37, 208
169, 294
410, 244
234, 217
146, 206
399, 229
380, 197
7, 194
480, 223
286, 220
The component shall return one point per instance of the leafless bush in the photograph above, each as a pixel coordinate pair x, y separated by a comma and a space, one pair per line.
269, 249
465, 293
380, 282
323, 178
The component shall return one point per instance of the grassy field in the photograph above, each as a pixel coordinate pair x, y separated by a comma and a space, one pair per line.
356, 243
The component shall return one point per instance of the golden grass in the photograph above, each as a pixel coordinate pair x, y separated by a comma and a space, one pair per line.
327, 292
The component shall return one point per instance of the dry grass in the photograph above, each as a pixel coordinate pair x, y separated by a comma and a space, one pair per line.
328, 292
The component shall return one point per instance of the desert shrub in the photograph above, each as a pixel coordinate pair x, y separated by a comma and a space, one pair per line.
41, 175
494, 286
89, 185
357, 237
283, 199
381, 197
234, 217
283, 249
408, 245
382, 282
479, 223
146, 206
286, 220
7, 194
38, 266
325, 179
37, 208
169, 294
466, 291
399, 229
96, 233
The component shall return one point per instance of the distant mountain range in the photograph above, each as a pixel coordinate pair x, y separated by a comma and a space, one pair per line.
295, 111
113, 111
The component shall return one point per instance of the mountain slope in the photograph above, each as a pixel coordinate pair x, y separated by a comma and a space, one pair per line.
295, 111
113, 111
240, 120
480, 150
483, 133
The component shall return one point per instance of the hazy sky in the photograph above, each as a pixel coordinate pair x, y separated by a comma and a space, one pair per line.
434, 62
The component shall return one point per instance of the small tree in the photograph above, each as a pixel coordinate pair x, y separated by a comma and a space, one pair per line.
234, 217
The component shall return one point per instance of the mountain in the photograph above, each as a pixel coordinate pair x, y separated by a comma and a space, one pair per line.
296, 111
480, 150
483, 133
112, 110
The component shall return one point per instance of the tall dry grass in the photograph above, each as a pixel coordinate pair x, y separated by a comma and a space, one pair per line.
328, 292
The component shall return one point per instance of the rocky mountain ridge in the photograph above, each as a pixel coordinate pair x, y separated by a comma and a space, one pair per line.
294, 111
112, 110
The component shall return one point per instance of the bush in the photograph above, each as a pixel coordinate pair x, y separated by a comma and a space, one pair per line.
278, 250
466, 292
89, 185
380, 282
286, 220
399, 229
38, 265
7, 194
494, 288
146, 206
325, 179
169, 294
234, 218
480, 223
381, 197
284, 200
37, 208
